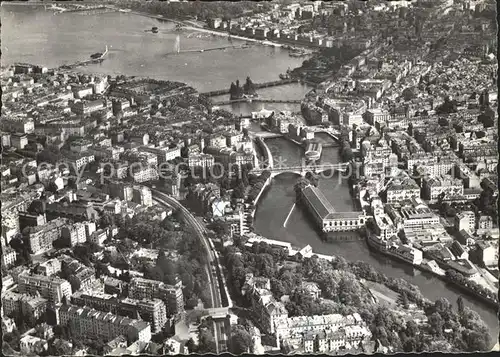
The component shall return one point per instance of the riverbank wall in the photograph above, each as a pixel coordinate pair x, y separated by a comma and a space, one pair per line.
471, 292
268, 157
256, 200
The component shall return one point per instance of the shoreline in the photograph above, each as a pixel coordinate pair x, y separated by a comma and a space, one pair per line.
421, 267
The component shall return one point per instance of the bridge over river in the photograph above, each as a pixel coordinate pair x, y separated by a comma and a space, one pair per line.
258, 100
302, 169
257, 86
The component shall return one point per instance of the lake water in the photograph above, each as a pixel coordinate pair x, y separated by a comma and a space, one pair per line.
30, 34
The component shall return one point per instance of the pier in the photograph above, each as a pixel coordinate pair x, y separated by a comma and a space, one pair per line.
257, 86
289, 214
211, 49
86, 62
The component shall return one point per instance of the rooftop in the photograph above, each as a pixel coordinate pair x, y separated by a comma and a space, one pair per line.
318, 201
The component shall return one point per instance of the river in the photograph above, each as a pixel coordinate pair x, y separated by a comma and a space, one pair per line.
275, 205
30, 34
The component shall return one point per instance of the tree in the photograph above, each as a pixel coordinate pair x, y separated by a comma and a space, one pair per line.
404, 300
300, 184
220, 228
191, 345
436, 323
301, 303
460, 305
241, 341
206, 342
239, 191
106, 220
487, 118
277, 288
313, 178
347, 154
442, 121
409, 93
249, 87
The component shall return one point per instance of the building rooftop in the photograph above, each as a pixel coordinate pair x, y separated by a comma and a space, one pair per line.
318, 201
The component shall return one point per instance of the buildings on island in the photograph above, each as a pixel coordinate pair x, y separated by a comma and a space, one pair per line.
325, 216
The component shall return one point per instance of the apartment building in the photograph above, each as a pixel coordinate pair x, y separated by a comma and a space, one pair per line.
49, 267
385, 228
434, 187
163, 154
402, 189
143, 173
171, 295
85, 321
74, 234
51, 288
151, 310
465, 220
142, 195
41, 237
201, 160
31, 220
9, 257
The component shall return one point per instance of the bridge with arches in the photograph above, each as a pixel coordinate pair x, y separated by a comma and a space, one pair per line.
301, 170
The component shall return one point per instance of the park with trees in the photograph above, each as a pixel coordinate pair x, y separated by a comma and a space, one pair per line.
141, 230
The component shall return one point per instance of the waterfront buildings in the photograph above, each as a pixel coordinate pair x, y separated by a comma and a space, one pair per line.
325, 215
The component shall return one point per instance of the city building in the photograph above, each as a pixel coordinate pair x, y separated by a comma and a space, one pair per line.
150, 310
434, 187
201, 160
51, 288
74, 234
325, 215
171, 295
9, 257
85, 321
49, 267
465, 220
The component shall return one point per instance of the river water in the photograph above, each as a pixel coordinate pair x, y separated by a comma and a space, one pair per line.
30, 34
277, 201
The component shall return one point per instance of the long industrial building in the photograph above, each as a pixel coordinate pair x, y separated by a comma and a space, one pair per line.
325, 215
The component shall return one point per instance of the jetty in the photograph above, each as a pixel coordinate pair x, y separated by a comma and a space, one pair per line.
210, 49
86, 62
